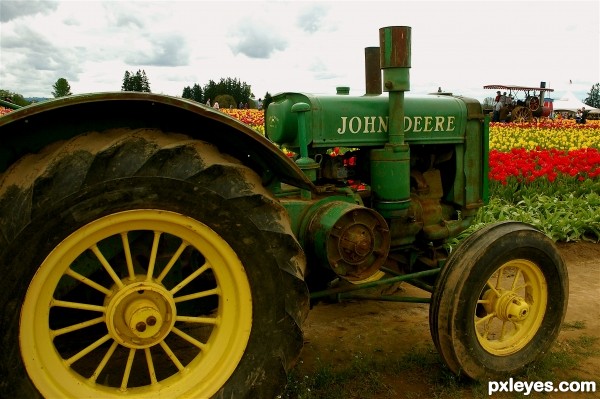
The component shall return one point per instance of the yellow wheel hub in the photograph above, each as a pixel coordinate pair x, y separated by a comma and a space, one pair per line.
514, 302
140, 315
141, 303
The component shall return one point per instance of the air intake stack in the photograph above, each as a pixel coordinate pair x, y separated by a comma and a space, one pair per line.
392, 163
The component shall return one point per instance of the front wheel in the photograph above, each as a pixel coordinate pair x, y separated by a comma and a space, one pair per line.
499, 301
142, 264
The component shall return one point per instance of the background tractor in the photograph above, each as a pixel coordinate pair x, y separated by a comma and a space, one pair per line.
153, 247
531, 106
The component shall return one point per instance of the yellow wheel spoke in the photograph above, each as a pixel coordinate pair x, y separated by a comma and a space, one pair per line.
516, 280
200, 320
152, 261
201, 294
499, 277
87, 350
87, 281
189, 339
105, 360
174, 259
107, 336
486, 318
107, 266
127, 372
486, 329
492, 287
519, 288
518, 326
77, 305
127, 251
171, 355
190, 278
483, 301
502, 331
150, 363
75, 327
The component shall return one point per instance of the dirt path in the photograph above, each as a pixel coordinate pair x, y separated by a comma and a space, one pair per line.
390, 334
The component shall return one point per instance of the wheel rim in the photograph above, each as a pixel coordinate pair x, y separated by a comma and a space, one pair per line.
511, 307
534, 103
142, 303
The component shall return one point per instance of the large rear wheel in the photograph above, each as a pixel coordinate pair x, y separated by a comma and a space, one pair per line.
499, 301
162, 269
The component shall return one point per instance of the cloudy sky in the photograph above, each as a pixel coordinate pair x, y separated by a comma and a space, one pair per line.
280, 46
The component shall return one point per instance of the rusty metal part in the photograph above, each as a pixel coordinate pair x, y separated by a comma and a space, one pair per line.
350, 239
372, 71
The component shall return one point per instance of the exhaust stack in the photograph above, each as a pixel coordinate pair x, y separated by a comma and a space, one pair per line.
372, 72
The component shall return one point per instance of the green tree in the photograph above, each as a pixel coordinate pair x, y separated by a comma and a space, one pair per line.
593, 98
193, 93
136, 82
187, 92
267, 100
14, 98
197, 93
225, 101
61, 88
240, 91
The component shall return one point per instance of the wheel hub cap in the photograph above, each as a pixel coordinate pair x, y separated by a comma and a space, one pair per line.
511, 307
140, 315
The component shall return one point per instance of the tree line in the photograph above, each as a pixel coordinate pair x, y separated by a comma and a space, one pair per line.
228, 92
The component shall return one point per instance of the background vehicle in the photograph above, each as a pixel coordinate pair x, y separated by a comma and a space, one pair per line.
153, 247
524, 110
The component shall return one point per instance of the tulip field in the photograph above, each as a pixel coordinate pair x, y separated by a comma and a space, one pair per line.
545, 173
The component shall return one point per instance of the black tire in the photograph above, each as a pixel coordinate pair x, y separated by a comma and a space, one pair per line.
47, 198
487, 333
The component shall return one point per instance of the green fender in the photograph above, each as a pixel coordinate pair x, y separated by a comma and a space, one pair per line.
31, 128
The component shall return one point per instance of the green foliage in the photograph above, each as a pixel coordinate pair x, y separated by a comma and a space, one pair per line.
593, 98
193, 93
566, 210
267, 100
362, 378
61, 88
136, 82
14, 98
225, 101
240, 91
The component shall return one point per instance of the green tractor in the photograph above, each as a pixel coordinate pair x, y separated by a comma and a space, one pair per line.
153, 247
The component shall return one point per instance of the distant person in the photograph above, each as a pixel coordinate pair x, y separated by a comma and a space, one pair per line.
497, 108
208, 102
581, 116
497, 97
216, 105
503, 98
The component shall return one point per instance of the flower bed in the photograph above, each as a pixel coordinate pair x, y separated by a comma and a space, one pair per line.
560, 134
251, 117
546, 174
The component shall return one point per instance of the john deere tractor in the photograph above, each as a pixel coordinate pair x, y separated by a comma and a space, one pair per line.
151, 247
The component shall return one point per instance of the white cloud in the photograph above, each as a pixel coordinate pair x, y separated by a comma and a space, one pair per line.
10, 9
278, 45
